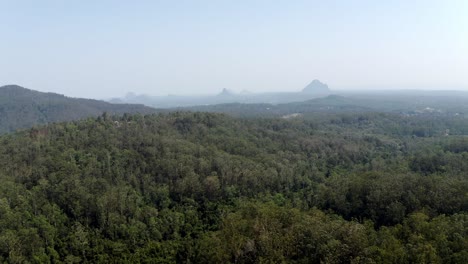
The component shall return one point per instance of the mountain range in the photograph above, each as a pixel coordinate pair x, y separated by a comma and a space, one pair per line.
315, 89
22, 108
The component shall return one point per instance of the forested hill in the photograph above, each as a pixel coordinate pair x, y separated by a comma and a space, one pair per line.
329, 104
405, 103
24, 108
208, 188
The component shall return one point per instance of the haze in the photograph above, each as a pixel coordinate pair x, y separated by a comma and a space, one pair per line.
104, 49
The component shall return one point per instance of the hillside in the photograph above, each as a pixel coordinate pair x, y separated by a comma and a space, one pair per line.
24, 108
209, 188
419, 103
330, 104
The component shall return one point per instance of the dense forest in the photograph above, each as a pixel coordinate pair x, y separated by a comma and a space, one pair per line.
209, 188
22, 108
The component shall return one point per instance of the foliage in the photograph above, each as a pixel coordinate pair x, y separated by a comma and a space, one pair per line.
208, 188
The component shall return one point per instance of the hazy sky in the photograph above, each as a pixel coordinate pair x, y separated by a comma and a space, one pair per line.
108, 48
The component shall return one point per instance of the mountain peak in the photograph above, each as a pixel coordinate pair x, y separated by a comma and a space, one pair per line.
12, 87
13, 90
316, 86
225, 92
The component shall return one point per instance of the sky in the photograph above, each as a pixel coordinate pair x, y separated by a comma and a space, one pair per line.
104, 49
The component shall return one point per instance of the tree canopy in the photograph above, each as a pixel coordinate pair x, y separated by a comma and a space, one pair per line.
209, 188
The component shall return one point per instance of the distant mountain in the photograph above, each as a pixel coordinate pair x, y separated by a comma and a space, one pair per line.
316, 87
225, 92
23, 108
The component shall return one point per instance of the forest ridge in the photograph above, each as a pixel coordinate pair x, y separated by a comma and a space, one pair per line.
23, 108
